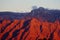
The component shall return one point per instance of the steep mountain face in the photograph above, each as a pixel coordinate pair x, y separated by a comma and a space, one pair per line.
30, 29
39, 24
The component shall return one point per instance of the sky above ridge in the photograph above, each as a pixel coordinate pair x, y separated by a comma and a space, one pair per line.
26, 5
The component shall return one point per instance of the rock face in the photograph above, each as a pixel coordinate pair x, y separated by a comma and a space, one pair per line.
39, 24
30, 29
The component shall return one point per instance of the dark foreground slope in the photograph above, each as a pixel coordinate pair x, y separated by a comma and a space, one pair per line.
39, 24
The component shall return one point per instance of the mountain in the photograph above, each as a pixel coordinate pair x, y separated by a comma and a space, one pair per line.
30, 29
45, 14
39, 24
